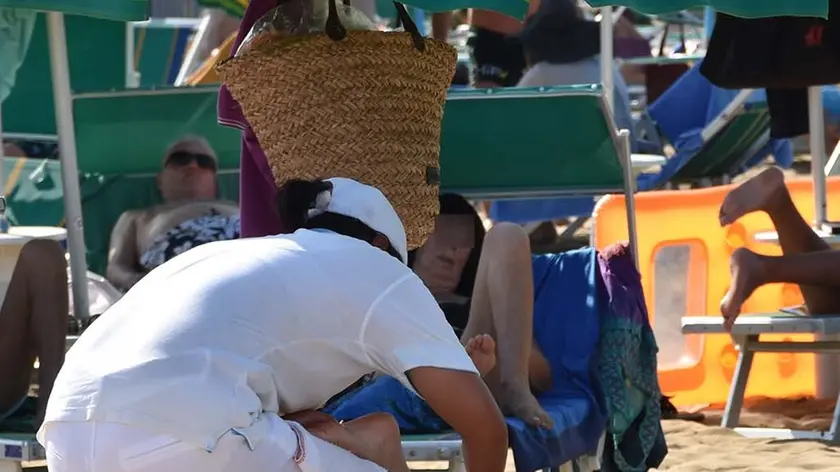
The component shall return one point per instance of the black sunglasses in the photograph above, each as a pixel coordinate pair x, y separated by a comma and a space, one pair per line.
184, 158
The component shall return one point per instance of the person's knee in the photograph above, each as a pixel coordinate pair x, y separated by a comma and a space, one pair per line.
505, 240
44, 256
385, 427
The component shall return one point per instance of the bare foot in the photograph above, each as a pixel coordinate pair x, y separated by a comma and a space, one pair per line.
745, 268
482, 351
755, 194
522, 404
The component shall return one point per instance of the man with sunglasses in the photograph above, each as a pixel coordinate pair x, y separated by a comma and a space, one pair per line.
189, 216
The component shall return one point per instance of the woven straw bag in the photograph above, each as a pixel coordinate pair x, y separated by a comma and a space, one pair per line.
368, 107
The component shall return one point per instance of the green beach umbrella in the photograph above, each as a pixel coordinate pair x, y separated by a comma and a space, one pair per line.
742, 8
119, 10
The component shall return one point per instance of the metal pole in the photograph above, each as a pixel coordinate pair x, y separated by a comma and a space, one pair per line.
192, 52
816, 125
607, 55
130, 74
2, 154
629, 192
69, 164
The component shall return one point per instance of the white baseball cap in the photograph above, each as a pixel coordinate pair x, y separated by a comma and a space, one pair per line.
368, 205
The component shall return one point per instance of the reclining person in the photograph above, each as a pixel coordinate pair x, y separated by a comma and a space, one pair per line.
484, 285
807, 260
189, 216
33, 323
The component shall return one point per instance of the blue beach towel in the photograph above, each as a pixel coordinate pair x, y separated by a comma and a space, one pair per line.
567, 330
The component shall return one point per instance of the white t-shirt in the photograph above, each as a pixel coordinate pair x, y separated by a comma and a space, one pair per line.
211, 339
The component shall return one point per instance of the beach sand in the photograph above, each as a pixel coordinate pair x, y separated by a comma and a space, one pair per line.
706, 447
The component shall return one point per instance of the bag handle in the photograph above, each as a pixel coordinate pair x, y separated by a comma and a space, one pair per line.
336, 31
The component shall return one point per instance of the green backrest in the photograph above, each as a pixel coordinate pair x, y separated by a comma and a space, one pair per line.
96, 53
529, 142
127, 131
35, 199
730, 148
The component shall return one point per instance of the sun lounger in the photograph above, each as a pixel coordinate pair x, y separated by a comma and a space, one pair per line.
96, 51
717, 134
745, 335
15, 449
159, 49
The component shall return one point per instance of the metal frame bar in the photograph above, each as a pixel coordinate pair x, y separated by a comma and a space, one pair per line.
749, 345
69, 162
726, 115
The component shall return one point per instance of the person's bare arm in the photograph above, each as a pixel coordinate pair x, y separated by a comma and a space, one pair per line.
441, 25
122, 253
471, 411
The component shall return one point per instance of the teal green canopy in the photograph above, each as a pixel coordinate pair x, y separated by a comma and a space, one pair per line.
119, 10
742, 8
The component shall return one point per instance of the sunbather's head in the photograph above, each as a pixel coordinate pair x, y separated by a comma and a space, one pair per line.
189, 171
346, 207
448, 261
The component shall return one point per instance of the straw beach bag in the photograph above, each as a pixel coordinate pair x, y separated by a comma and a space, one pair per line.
366, 105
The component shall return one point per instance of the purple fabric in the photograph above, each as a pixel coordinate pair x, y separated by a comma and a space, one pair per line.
623, 283
257, 190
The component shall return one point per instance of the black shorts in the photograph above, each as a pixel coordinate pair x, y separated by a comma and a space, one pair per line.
498, 58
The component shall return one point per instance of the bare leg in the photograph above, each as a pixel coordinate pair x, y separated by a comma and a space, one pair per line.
33, 322
503, 306
375, 437
807, 260
378, 436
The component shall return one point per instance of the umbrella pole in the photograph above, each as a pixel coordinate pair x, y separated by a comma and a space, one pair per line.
69, 165
3, 162
607, 56
827, 368
816, 126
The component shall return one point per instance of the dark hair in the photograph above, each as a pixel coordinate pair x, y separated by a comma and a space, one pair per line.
296, 197
454, 204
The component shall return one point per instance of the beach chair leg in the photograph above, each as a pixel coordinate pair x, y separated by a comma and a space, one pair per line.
456, 464
833, 433
11, 466
732, 412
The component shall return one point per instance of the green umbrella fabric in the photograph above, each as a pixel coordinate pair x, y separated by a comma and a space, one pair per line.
119, 10
234, 8
742, 8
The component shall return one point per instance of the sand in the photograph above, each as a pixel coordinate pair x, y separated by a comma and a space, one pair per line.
705, 447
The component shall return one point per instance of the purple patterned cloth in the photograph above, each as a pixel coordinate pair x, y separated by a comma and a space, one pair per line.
257, 190
626, 365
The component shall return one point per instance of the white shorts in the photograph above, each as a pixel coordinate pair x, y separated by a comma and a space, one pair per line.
110, 447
